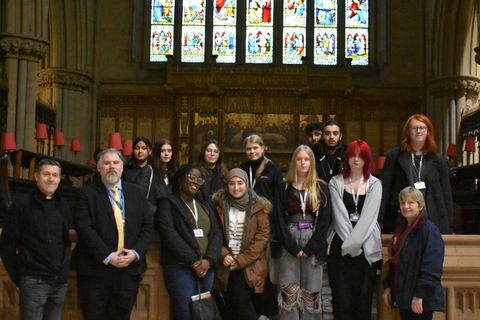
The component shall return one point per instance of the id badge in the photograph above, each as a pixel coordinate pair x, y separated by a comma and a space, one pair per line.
354, 217
234, 244
303, 224
420, 185
198, 233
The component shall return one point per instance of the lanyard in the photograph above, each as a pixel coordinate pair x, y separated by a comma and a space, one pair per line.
419, 170
356, 195
194, 212
118, 203
303, 201
252, 181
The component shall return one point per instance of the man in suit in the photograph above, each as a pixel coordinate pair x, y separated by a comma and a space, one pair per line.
35, 245
115, 225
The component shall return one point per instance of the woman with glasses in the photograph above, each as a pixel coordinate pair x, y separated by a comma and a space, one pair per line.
164, 164
190, 241
416, 163
213, 169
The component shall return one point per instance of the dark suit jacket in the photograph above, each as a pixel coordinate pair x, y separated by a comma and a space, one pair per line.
397, 174
97, 231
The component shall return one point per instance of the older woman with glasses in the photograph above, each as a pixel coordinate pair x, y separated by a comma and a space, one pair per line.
190, 241
416, 163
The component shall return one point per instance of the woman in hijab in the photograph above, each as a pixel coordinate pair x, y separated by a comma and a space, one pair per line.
243, 217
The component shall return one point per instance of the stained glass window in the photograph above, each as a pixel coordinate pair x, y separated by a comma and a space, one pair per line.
161, 31
259, 35
245, 29
193, 31
325, 32
356, 31
224, 30
294, 31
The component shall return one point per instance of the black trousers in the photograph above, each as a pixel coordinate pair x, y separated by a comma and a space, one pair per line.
238, 298
109, 296
352, 281
410, 315
266, 303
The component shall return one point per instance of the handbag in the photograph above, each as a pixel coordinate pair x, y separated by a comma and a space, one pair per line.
203, 306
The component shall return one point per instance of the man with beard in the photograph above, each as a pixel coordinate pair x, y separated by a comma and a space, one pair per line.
115, 225
329, 151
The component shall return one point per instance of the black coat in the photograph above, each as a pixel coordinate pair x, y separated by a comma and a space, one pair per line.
214, 181
269, 183
328, 164
317, 245
177, 240
25, 242
397, 174
97, 230
421, 267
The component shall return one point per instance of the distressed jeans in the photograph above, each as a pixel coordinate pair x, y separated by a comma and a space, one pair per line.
41, 299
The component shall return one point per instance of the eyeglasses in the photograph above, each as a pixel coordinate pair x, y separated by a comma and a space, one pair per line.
419, 128
195, 179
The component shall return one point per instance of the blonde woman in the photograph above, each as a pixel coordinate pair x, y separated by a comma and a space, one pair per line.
265, 179
302, 224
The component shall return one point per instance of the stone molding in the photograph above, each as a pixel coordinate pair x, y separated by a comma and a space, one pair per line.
460, 85
22, 47
47, 78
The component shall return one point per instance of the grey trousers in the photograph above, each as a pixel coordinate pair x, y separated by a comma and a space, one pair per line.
306, 273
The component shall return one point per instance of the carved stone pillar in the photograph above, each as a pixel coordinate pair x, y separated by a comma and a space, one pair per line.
21, 55
477, 49
67, 91
448, 101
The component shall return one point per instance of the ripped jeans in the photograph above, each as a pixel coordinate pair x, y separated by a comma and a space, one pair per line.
299, 281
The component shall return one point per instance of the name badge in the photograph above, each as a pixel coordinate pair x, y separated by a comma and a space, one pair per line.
420, 185
303, 224
234, 244
198, 233
354, 217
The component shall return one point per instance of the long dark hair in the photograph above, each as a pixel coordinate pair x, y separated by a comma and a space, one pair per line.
164, 170
147, 143
202, 165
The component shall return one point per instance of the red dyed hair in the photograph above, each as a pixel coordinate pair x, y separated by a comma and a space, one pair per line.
430, 144
361, 148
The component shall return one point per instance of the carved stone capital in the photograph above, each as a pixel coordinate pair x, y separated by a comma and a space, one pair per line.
74, 80
22, 47
458, 86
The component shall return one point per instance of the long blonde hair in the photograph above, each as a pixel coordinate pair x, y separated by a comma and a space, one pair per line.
311, 183
256, 139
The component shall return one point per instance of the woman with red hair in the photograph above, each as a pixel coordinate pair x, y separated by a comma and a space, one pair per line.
415, 163
354, 243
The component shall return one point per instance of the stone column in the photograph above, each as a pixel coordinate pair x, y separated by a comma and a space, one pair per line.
67, 91
21, 55
447, 99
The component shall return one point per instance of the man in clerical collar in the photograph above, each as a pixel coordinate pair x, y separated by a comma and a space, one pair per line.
35, 245
329, 151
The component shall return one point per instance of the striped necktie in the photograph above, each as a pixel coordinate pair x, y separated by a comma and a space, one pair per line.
117, 212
